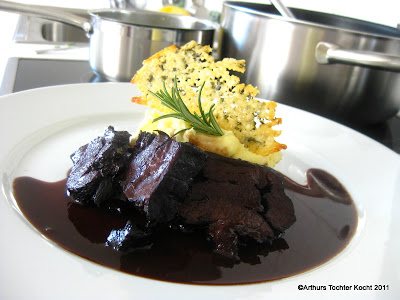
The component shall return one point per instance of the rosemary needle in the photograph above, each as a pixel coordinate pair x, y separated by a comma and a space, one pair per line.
205, 122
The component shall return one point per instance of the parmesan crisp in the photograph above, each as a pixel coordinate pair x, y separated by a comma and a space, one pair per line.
236, 110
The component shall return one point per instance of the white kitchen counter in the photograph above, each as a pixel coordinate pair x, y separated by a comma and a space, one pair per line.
8, 48
8, 23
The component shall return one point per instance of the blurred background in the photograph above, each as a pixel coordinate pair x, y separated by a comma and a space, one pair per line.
384, 11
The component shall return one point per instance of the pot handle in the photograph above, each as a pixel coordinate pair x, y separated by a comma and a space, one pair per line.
326, 53
48, 12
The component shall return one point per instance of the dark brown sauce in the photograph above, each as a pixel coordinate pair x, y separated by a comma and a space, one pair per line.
326, 221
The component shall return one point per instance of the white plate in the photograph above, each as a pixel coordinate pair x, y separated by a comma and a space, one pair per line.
41, 128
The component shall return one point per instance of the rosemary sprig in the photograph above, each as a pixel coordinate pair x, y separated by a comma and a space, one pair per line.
205, 122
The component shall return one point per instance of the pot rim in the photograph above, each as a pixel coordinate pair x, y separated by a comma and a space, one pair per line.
149, 19
253, 8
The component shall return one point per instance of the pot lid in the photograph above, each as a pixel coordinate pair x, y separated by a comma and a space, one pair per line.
152, 19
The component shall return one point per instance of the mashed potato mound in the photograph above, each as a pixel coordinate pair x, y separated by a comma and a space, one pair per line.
248, 121
227, 145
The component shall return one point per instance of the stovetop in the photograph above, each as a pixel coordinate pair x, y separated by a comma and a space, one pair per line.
28, 73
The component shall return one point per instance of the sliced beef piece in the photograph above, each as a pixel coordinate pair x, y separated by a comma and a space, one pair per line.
232, 199
160, 174
96, 167
279, 210
131, 237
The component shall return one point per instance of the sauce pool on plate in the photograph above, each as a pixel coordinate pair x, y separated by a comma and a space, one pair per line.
326, 222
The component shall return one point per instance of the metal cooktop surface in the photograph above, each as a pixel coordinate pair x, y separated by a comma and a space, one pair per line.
28, 73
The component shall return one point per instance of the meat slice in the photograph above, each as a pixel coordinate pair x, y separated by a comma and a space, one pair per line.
160, 174
279, 210
96, 167
130, 237
234, 200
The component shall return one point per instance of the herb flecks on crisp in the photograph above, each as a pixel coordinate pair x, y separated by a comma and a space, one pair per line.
203, 122
234, 101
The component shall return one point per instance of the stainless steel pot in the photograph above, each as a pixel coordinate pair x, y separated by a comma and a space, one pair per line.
119, 40
339, 67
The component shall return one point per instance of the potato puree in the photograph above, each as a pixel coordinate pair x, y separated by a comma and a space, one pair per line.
227, 145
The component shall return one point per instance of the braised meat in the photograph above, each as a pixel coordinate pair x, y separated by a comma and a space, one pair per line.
160, 175
279, 209
94, 177
131, 236
237, 200
161, 183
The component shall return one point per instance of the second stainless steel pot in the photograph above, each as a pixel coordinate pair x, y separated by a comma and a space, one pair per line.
119, 40
335, 66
